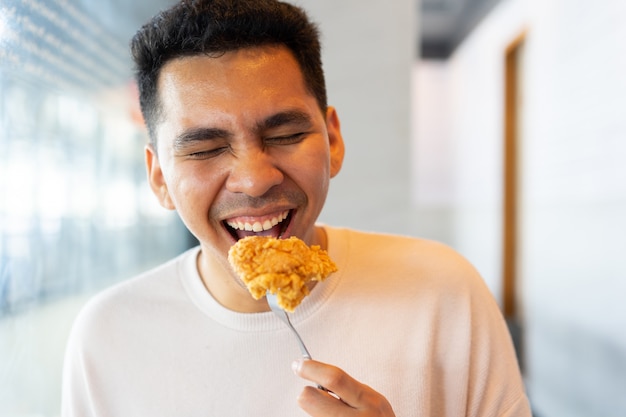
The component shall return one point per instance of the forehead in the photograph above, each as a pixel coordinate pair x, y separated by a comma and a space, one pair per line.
241, 86
235, 75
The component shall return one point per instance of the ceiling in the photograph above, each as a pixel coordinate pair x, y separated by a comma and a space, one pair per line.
445, 23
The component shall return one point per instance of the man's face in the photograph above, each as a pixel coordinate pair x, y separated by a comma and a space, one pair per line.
242, 144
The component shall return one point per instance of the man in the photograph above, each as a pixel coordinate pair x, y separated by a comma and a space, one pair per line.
242, 138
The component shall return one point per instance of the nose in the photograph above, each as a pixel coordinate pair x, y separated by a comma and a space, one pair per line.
253, 173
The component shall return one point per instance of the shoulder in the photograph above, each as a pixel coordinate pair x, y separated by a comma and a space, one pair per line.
402, 253
402, 267
120, 304
387, 243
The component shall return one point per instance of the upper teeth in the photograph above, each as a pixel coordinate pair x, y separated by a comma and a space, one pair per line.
258, 226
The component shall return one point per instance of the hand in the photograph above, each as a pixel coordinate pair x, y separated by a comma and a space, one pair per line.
355, 399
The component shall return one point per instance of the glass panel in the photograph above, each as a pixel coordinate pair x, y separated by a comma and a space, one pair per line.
76, 213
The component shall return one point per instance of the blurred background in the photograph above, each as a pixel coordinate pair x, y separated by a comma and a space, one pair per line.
497, 127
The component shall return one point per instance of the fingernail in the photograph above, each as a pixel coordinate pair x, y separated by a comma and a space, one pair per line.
296, 365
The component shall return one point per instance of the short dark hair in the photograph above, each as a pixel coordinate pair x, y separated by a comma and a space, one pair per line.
195, 27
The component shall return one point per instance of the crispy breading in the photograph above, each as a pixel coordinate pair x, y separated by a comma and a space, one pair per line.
280, 266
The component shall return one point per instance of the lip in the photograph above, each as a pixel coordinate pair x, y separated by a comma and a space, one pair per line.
249, 217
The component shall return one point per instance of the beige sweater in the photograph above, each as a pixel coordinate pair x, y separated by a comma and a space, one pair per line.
408, 317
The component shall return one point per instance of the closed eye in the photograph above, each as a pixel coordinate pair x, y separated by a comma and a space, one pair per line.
286, 140
207, 154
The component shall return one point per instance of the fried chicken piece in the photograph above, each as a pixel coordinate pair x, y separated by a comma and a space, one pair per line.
280, 266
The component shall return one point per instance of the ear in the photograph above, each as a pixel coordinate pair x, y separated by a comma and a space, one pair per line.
156, 179
335, 141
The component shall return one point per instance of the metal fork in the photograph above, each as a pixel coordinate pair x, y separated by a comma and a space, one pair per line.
272, 301
282, 314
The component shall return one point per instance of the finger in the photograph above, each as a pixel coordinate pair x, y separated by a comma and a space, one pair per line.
334, 380
316, 402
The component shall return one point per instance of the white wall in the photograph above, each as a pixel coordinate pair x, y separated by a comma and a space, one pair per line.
432, 165
368, 49
573, 188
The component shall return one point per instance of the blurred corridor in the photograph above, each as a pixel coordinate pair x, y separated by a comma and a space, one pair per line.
510, 149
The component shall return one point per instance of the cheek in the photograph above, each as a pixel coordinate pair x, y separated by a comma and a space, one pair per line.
192, 190
315, 172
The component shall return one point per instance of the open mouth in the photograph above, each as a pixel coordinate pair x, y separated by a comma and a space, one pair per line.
273, 226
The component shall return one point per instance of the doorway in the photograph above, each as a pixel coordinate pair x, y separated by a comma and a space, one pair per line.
513, 106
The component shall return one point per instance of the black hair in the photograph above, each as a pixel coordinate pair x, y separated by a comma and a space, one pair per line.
195, 27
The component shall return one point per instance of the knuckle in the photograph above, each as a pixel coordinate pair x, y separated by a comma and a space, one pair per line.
334, 378
382, 406
374, 401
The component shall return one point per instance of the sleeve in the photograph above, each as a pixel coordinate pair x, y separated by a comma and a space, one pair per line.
496, 387
75, 399
81, 386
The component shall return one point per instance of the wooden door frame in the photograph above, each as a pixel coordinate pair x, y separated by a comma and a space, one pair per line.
511, 170
510, 236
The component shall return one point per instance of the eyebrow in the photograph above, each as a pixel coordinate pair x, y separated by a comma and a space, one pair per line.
200, 134
289, 117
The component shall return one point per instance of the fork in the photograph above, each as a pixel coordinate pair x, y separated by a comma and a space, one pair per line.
282, 314
272, 301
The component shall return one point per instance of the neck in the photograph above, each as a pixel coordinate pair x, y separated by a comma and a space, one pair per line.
227, 289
